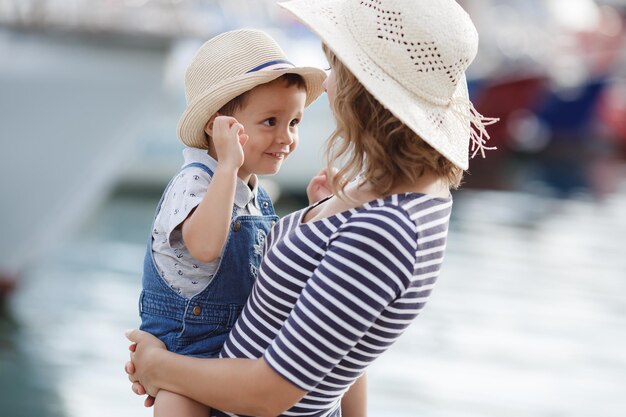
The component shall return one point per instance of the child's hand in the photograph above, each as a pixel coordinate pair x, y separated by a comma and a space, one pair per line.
319, 186
229, 137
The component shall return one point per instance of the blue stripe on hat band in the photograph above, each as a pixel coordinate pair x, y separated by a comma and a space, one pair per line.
267, 64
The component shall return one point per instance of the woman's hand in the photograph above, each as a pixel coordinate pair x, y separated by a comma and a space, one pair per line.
143, 351
137, 388
319, 187
243, 386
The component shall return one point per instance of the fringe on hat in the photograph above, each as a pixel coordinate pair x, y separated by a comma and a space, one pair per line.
474, 123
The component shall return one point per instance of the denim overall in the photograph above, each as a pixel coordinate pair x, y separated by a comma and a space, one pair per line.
199, 326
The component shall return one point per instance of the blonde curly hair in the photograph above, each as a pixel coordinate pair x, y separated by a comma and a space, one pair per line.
374, 143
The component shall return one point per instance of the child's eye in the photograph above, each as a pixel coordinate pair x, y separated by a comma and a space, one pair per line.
294, 122
270, 122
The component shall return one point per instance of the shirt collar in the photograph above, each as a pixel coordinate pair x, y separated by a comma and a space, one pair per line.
244, 193
247, 193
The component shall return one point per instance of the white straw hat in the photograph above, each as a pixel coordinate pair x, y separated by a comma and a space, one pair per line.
227, 66
411, 55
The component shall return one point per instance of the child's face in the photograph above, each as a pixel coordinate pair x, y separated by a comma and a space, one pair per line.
270, 117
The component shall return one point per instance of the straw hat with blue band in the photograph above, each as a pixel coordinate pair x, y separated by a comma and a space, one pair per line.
411, 56
227, 66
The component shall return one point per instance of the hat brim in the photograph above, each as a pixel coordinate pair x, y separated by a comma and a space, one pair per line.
193, 120
436, 124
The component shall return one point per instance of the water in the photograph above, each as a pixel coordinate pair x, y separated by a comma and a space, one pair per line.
527, 321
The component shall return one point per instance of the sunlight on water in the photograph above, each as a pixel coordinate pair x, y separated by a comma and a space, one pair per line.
527, 320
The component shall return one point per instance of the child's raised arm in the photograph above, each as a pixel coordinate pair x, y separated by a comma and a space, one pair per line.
206, 229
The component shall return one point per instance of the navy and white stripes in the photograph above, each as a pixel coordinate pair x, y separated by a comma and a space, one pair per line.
334, 294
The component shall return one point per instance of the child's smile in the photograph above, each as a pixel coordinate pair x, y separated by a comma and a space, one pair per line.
270, 117
277, 155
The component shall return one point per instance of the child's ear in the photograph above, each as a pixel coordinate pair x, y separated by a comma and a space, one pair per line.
208, 128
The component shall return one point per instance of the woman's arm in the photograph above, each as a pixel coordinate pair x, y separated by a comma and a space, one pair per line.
340, 302
242, 386
354, 402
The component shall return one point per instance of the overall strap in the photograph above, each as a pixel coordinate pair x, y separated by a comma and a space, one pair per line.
199, 165
265, 203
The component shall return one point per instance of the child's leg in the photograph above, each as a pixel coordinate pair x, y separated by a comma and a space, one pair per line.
168, 404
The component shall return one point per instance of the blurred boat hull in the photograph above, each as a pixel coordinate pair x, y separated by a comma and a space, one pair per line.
82, 114
70, 109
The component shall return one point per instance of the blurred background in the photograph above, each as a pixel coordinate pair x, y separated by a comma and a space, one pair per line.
529, 318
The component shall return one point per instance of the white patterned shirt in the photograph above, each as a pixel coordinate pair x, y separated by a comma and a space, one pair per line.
182, 272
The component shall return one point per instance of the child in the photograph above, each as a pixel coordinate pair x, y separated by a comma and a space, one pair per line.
245, 101
341, 280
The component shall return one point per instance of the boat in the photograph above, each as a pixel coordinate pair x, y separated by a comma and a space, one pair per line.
91, 104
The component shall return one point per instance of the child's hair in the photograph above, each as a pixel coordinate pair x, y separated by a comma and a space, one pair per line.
377, 144
238, 102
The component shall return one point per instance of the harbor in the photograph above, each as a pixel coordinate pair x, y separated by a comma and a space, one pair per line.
528, 316
526, 320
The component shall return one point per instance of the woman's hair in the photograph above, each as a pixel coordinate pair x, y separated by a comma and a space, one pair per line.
375, 143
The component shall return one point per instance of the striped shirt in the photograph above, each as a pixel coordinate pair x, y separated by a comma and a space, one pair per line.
335, 293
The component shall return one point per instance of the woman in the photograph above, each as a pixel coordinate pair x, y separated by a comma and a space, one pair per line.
342, 279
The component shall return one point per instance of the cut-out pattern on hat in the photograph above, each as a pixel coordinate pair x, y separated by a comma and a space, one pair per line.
425, 55
330, 13
438, 120
389, 21
367, 67
455, 70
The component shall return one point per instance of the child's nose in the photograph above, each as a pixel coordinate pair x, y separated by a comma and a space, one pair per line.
285, 138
